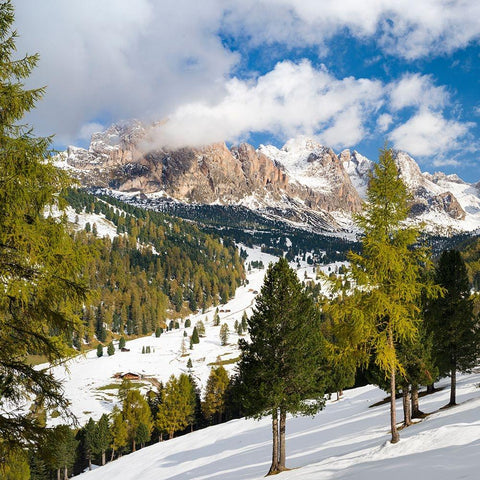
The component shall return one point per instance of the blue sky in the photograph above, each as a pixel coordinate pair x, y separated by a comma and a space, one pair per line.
351, 74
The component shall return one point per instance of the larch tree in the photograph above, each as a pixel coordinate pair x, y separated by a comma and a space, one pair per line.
213, 405
135, 411
451, 320
280, 370
177, 405
41, 288
386, 279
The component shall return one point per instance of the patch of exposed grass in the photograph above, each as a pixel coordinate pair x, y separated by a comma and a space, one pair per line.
228, 361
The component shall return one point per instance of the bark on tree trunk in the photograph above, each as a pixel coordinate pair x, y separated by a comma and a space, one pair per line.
90, 462
407, 416
430, 388
453, 385
103, 457
58, 474
170, 434
274, 467
393, 412
113, 455
282, 455
134, 446
65, 473
416, 412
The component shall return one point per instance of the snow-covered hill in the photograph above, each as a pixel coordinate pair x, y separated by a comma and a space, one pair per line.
347, 440
89, 381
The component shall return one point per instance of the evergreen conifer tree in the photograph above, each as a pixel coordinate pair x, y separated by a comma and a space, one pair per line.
135, 411
110, 349
39, 262
119, 433
122, 342
224, 333
99, 350
195, 338
451, 320
280, 370
216, 318
103, 437
200, 328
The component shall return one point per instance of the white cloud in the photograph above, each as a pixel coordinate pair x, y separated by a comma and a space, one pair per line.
87, 130
408, 28
290, 100
429, 133
415, 90
120, 59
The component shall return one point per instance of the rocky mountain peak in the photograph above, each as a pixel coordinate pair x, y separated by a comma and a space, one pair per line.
301, 179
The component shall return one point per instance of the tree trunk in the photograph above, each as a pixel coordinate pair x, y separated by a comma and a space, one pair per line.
113, 455
407, 416
430, 388
282, 455
90, 461
416, 412
134, 446
393, 412
103, 457
453, 385
65, 473
338, 395
170, 434
58, 474
274, 467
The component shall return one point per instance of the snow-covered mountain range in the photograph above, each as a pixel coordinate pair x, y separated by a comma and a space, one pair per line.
303, 182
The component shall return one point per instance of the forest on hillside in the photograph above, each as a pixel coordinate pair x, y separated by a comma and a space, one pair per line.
156, 267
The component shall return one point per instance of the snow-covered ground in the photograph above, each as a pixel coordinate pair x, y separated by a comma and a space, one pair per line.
347, 440
85, 377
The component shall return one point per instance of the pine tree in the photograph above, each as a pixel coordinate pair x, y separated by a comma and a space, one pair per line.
39, 263
216, 318
90, 431
188, 323
122, 342
451, 320
280, 370
388, 278
189, 364
244, 321
110, 349
224, 333
195, 338
103, 437
99, 350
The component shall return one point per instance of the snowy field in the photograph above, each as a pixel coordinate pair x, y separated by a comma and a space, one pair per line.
347, 440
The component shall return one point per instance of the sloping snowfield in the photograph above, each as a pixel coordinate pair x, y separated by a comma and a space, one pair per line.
347, 440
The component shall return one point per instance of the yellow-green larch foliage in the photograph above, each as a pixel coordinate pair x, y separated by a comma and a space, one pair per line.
177, 405
214, 401
135, 411
381, 306
41, 288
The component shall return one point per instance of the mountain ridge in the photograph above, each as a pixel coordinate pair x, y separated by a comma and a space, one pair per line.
299, 181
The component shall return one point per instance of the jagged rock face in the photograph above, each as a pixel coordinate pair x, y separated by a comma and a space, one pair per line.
316, 169
303, 181
427, 194
214, 173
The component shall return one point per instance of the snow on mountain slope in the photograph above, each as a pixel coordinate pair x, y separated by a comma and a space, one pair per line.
347, 440
297, 157
89, 382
